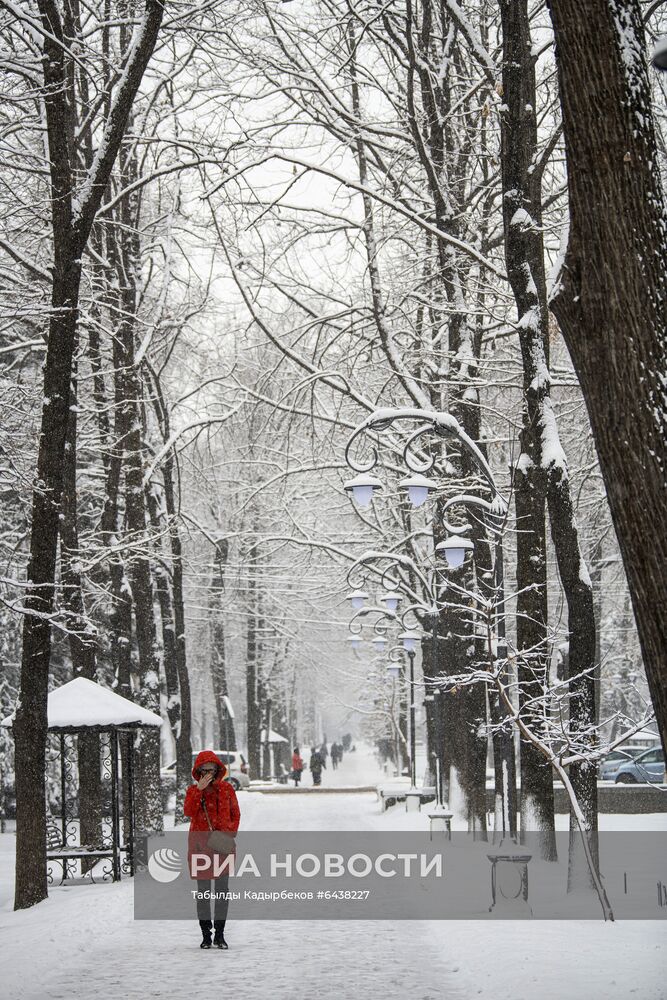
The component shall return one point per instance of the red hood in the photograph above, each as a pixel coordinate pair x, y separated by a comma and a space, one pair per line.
208, 757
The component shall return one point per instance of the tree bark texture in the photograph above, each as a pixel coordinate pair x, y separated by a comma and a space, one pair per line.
171, 479
71, 231
524, 255
82, 639
148, 803
253, 707
227, 735
611, 302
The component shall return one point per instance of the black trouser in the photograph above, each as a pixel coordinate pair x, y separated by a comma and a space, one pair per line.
317, 777
217, 886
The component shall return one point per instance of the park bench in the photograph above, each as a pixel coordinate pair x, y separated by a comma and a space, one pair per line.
62, 855
440, 821
389, 795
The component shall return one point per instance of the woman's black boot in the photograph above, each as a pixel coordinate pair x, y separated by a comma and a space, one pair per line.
219, 939
206, 933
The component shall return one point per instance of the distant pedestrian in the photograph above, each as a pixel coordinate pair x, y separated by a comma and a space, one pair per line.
335, 755
324, 752
297, 766
316, 765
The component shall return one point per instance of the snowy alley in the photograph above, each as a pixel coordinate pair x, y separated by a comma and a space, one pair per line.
83, 942
333, 535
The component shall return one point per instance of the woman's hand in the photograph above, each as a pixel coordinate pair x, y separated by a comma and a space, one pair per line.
205, 780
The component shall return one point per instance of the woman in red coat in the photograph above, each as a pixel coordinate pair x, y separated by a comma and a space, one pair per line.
211, 804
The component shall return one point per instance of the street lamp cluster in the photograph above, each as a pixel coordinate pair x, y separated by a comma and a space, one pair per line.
453, 550
387, 612
418, 488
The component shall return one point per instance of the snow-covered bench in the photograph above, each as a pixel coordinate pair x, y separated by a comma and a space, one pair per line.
389, 795
440, 821
56, 852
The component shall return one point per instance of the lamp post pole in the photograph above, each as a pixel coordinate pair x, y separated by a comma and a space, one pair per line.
413, 740
505, 735
440, 777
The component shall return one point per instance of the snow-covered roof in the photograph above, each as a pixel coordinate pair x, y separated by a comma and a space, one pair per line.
83, 703
274, 737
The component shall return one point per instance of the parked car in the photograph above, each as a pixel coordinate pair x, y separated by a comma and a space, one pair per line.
237, 776
647, 767
611, 763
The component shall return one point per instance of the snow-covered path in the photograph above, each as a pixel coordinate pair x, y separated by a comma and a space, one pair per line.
83, 942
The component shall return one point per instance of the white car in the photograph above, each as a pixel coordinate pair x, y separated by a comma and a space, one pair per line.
238, 776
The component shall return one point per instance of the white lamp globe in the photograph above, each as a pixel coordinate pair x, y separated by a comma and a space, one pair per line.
357, 598
379, 642
362, 488
355, 641
409, 640
454, 549
393, 670
391, 599
418, 488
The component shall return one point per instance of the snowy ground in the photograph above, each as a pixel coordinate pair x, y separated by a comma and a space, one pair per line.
83, 942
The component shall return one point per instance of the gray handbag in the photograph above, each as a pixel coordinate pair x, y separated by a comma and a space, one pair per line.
218, 840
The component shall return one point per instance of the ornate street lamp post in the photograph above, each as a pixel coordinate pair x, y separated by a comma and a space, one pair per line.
454, 549
394, 668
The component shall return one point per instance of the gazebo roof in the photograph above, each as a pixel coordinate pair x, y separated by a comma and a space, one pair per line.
83, 704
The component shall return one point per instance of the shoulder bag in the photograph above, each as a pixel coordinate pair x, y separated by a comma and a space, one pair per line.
219, 840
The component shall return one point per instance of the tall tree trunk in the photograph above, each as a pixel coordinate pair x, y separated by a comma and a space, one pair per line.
596, 564
163, 594
148, 802
581, 668
170, 478
611, 301
253, 709
120, 617
82, 640
524, 255
266, 745
71, 232
439, 150
218, 650
542, 451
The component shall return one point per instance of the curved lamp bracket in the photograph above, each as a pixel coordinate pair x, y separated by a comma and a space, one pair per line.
438, 421
410, 458
496, 508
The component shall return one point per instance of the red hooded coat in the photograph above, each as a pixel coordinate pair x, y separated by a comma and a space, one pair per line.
222, 807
